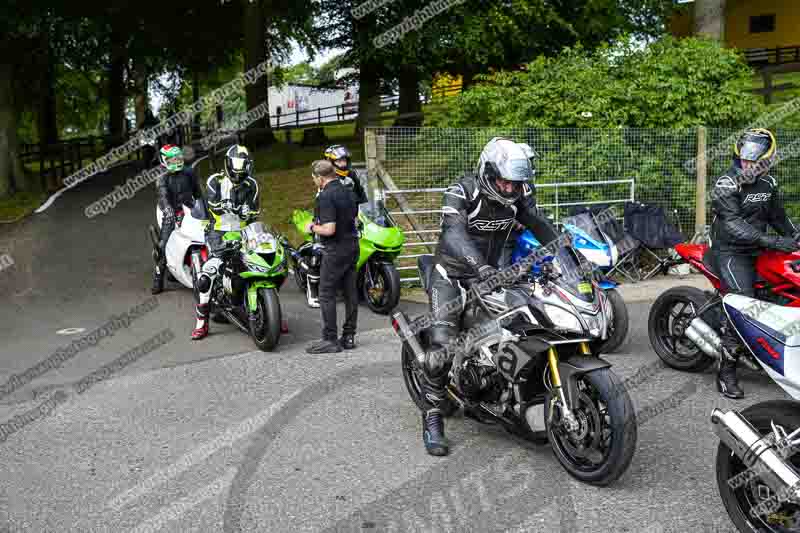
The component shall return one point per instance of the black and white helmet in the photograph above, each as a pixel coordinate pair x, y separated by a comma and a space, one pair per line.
503, 158
238, 164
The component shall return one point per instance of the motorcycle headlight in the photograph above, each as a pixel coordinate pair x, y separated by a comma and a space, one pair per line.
563, 319
593, 322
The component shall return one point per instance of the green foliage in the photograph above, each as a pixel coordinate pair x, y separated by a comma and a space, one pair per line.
669, 84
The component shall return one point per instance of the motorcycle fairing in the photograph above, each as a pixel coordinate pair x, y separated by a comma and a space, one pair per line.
763, 328
596, 252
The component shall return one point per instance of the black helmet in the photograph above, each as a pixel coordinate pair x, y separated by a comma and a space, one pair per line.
504, 159
238, 164
336, 152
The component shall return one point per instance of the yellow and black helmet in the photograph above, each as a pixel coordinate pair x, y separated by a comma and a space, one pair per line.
757, 144
336, 154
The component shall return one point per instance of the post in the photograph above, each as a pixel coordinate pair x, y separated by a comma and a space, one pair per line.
319, 115
297, 116
700, 197
373, 183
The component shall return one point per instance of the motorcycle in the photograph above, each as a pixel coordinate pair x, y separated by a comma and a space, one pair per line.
757, 465
186, 248
380, 242
527, 362
684, 321
611, 301
254, 268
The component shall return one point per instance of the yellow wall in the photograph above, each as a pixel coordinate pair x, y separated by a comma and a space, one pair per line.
737, 23
787, 23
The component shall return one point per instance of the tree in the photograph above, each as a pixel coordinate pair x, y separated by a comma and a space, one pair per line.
669, 84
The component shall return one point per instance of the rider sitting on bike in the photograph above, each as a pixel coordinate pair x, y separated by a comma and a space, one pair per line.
176, 188
744, 202
233, 203
478, 213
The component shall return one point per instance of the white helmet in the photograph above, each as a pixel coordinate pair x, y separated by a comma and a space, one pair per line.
503, 158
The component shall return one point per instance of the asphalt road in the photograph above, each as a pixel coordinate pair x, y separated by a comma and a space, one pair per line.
213, 436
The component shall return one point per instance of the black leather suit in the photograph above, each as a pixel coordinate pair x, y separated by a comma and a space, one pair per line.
475, 230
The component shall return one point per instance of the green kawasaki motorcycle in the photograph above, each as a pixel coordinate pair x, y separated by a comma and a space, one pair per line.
379, 244
254, 268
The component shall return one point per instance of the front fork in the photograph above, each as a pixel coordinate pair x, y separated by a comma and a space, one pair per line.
570, 422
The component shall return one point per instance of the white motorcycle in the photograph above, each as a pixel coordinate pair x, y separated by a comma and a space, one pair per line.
758, 467
186, 248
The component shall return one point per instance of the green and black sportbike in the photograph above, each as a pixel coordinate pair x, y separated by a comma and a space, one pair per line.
379, 245
246, 291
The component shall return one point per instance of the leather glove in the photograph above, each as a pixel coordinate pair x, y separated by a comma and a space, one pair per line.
784, 244
227, 205
169, 213
244, 211
486, 271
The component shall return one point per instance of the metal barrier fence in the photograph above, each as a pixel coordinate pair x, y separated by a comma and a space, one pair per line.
405, 166
556, 207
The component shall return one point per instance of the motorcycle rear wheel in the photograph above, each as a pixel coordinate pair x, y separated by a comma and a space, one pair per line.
608, 421
738, 502
667, 338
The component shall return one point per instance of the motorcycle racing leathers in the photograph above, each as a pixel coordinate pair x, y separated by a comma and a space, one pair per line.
231, 207
174, 190
474, 232
742, 213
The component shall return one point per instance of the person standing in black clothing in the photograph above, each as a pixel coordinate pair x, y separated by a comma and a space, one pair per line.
335, 214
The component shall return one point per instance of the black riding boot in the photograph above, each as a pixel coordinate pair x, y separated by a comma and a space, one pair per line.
727, 382
158, 277
433, 418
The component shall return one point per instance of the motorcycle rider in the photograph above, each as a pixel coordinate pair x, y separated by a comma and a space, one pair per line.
233, 203
176, 188
342, 164
478, 213
744, 202
341, 158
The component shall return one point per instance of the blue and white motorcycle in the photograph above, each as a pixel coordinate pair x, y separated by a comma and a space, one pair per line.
614, 306
758, 464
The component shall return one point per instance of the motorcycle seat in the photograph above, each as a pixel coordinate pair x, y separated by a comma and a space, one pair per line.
425, 265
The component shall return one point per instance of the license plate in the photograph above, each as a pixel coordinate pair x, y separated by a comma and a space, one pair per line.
585, 288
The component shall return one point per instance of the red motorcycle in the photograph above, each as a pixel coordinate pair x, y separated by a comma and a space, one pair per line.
685, 343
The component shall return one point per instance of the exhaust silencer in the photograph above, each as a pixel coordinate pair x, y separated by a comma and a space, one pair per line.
704, 337
756, 452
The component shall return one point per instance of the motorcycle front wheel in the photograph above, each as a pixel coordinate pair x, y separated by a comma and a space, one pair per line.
738, 502
266, 329
618, 329
602, 447
383, 293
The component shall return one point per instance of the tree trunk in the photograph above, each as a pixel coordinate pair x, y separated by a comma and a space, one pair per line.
255, 52
12, 176
709, 19
116, 87
369, 100
141, 101
409, 97
48, 129
195, 99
